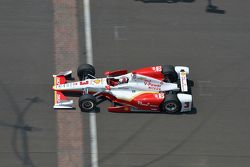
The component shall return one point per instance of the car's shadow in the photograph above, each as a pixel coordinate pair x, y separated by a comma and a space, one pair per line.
193, 111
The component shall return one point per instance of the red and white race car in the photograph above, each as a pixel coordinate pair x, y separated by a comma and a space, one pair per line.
152, 89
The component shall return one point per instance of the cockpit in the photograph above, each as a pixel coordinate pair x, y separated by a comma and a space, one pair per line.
117, 81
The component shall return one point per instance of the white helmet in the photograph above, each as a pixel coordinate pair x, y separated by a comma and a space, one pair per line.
123, 80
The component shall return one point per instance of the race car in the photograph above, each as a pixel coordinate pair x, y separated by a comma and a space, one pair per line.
152, 89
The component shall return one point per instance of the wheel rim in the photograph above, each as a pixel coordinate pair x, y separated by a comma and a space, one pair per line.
171, 107
87, 105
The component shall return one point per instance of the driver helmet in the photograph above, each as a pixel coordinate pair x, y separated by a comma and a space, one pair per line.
123, 80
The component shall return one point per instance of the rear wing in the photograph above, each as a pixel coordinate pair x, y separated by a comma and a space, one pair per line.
183, 81
183, 72
60, 100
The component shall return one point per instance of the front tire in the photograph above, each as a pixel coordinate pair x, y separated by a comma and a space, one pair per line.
171, 104
87, 103
84, 70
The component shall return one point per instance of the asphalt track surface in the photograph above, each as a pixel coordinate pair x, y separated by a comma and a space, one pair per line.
27, 121
131, 34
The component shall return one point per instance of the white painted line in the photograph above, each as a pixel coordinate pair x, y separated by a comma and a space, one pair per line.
202, 88
88, 36
89, 55
117, 33
93, 140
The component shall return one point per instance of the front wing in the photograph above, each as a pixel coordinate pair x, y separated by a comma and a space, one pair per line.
61, 101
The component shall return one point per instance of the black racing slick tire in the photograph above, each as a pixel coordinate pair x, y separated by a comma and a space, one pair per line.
171, 104
84, 70
87, 103
170, 75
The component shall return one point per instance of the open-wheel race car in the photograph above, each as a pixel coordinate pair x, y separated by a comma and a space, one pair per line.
151, 89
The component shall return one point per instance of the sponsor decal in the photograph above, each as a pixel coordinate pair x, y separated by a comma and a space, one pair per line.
183, 74
147, 104
141, 78
183, 78
183, 81
123, 88
97, 81
58, 80
58, 98
143, 104
151, 85
126, 109
61, 86
84, 82
68, 85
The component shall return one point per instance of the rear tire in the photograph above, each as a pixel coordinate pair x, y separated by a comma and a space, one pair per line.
87, 103
170, 75
171, 104
83, 71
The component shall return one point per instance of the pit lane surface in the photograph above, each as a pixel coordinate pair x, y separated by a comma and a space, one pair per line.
27, 121
132, 34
